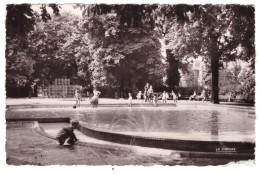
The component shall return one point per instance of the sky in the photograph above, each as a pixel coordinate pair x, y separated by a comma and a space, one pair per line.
64, 8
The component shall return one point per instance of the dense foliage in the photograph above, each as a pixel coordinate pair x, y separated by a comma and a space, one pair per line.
124, 51
238, 78
54, 46
20, 21
216, 32
118, 46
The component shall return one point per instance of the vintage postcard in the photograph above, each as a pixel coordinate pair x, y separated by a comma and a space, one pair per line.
130, 84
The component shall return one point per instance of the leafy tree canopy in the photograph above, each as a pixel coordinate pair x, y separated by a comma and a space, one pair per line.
20, 21
124, 50
118, 45
55, 46
216, 32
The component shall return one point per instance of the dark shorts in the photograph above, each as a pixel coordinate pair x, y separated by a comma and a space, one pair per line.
70, 141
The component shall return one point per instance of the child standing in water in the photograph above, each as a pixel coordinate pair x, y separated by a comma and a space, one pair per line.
150, 93
145, 95
155, 99
66, 134
77, 96
145, 92
174, 97
139, 95
94, 99
164, 96
130, 99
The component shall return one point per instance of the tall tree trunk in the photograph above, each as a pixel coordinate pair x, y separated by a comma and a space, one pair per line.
214, 69
121, 79
122, 87
214, 79
173, 75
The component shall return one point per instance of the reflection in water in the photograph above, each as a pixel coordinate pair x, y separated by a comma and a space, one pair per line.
214, 125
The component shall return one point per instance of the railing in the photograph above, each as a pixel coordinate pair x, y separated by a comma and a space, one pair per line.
62, 89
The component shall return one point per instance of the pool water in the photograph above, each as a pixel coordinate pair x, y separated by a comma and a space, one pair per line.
206, 123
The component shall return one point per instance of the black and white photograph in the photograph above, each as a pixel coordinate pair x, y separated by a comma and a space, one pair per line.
129, 84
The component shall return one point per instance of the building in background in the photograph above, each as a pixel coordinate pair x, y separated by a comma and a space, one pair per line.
197, 74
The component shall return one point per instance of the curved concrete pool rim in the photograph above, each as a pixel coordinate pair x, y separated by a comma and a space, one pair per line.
172, 144
216, 149
243, 150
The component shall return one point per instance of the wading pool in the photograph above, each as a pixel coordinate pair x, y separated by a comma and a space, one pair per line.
185, 122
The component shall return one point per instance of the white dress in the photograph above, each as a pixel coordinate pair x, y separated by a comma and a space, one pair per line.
164, 96
94, 99
130, 100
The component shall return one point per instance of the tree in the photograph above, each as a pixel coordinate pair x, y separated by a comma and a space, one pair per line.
20, 21
229, 79
55, 46
216, 32
177, 58
124, 51
173, 74
247, 80
238, 77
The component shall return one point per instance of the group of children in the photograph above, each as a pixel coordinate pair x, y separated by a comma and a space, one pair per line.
139, 95
148, 95
66, 135
152, 97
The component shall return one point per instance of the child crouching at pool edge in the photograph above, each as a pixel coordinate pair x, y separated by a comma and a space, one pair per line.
67, 135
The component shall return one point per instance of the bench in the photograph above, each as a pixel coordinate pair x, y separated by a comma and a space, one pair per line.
238, 98
224, 98
198, 98
184, 97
